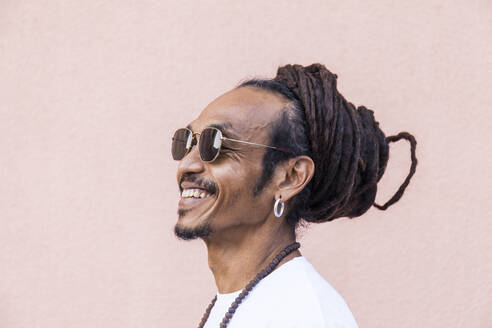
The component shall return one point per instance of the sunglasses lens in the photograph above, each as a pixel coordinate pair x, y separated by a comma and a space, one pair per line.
209, 145
181, 143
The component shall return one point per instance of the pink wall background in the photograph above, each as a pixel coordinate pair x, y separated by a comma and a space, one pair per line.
90, 92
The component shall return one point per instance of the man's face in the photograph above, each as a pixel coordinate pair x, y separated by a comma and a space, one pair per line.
226, 206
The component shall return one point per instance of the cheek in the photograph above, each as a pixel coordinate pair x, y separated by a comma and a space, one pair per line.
236, 186
235, 193
235, 196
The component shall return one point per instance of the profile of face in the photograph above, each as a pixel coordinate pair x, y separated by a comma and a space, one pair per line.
217, 198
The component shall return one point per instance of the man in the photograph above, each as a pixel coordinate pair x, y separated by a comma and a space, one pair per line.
260, 160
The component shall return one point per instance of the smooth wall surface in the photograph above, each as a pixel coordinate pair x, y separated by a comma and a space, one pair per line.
90, 92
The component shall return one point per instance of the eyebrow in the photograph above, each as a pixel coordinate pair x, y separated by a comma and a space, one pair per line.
225, 128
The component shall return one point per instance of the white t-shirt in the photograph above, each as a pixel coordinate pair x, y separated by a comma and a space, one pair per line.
292, 296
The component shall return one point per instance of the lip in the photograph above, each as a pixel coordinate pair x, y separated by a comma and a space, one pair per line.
191, 185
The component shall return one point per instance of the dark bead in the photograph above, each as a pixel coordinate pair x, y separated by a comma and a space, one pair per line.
283, 253
263, 273
228, 315
232, 310
234, 305
275, 261
272, 266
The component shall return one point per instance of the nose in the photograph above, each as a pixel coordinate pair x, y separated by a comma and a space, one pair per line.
191, 163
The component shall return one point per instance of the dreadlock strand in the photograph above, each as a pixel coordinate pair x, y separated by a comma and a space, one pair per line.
401, 190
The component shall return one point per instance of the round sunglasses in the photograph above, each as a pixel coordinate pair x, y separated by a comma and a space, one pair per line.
209, 143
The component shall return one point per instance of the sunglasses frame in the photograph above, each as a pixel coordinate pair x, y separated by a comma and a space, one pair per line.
196, 141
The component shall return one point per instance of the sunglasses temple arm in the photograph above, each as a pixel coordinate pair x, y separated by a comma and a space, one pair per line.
256, 144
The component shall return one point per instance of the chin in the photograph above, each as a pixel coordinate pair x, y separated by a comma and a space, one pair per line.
194, 220
191, 226
190, 233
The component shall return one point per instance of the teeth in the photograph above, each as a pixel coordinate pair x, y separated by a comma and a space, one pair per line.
194, 193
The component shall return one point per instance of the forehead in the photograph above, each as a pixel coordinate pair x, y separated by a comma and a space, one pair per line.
243, 111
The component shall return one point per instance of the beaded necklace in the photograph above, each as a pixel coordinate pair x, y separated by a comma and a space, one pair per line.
262, 274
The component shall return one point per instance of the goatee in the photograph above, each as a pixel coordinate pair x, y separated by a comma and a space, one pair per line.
185, 233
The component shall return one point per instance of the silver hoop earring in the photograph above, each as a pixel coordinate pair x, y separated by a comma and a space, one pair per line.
275, 207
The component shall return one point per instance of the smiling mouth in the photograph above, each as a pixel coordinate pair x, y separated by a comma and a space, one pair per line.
195, 193
193, 197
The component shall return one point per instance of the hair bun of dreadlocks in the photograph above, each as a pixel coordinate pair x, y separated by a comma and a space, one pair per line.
348, 148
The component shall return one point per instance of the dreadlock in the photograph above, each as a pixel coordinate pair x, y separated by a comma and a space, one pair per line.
349, 150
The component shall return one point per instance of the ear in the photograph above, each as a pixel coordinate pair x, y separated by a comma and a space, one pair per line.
294, 176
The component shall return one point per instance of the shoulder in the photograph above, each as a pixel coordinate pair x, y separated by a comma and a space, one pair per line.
298, 296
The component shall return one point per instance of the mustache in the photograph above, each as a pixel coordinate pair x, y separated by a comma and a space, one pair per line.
208, 185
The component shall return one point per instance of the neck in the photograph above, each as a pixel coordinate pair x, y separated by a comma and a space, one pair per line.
235, 257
